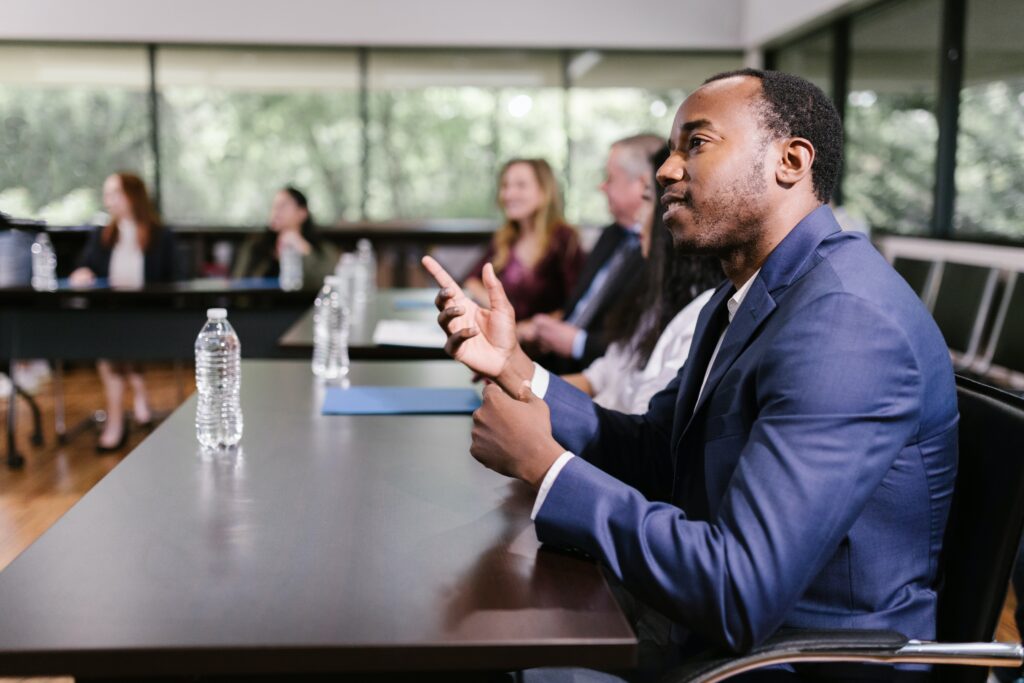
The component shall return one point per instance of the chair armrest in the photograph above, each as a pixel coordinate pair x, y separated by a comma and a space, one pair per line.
880, 647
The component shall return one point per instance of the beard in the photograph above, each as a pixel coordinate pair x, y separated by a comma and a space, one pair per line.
729, 221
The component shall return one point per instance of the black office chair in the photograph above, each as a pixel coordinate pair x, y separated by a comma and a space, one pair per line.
1006, 345
979, 549
961, 307
917, 273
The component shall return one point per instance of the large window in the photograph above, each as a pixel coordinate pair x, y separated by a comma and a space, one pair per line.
367, 134
891, 128
614, 95
441, 124
990, 144
236, 125
69, 117
811, 58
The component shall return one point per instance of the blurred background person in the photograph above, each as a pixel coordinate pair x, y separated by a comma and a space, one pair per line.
536, 254
650, 333
291, 225
614, 270
130, 251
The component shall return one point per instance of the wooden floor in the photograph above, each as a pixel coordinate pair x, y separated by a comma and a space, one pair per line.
56, 476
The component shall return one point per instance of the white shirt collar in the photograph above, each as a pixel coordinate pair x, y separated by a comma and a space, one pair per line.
733, 304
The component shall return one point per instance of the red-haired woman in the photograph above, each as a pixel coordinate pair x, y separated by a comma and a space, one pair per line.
131, 250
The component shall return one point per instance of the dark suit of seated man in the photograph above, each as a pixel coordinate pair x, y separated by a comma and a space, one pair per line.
798, 472
614, 270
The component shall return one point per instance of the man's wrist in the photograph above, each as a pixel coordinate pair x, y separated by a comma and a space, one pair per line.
539, 465
518, 369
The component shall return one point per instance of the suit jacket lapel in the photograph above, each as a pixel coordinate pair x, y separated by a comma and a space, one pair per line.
793, 257
757, 306
709, 326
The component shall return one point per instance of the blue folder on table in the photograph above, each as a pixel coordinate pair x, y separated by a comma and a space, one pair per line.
412, 304
399, 401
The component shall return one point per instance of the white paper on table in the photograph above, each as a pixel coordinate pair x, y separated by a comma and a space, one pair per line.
420, 333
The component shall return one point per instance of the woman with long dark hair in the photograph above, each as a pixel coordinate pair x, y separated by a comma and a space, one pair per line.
650, 338
131, 250
291, 226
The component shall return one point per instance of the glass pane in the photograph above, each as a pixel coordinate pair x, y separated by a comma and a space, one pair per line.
891, 129
238, 124
618, 94
442, 123
990, 143
811, 58
69, 117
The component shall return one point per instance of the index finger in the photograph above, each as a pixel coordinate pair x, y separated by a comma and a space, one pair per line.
440, 275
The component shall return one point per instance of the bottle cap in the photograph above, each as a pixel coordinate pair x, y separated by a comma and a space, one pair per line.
217, 313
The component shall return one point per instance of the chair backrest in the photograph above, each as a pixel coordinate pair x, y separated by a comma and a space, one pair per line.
917, 273
986, 519
1007, 349
962, 304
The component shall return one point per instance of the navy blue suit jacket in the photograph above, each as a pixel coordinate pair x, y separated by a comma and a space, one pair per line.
809, 485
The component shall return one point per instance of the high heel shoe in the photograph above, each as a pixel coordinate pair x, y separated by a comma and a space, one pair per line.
100, 448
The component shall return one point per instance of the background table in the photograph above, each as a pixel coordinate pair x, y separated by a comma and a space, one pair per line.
394, 304
156, 322
326, 544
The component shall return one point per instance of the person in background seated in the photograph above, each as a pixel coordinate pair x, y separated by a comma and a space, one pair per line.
536, 254
130, 251
650, 342
614, 270
291, 224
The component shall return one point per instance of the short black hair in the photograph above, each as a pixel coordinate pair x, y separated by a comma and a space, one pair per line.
795, 107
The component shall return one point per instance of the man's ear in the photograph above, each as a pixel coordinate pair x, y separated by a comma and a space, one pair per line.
795, 161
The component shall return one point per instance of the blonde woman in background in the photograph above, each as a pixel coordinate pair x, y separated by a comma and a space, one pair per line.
536, 254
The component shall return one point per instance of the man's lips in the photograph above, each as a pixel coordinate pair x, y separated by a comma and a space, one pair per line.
669, 201
673, 202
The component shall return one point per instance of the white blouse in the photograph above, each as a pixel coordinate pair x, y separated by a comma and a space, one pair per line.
127, 263
619, 385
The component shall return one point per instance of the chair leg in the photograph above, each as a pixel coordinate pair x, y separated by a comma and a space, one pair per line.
14, 459
37, 420
59, 425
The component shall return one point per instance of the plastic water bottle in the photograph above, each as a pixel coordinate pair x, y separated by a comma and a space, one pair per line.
218, 382
44, 264
366, 273
290, 277
330, 330
346, 270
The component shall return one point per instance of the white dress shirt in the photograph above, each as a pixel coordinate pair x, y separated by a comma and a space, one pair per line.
127, 263
541, 379
618, 384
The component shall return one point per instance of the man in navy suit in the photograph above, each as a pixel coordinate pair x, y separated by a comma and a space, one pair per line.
798, 471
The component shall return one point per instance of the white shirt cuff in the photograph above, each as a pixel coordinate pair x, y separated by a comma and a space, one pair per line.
540, 381
549, 481
579, 344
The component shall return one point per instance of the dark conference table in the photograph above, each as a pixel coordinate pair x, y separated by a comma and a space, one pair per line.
327, 544
386, 304
156, 322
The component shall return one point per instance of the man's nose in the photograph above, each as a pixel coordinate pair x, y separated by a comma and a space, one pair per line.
671, 171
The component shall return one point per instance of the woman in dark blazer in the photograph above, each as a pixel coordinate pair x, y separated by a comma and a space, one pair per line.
131, 250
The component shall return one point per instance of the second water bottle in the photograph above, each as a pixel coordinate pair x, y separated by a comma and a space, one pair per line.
330, 330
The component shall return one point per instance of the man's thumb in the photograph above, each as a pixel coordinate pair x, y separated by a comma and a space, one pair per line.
526, 394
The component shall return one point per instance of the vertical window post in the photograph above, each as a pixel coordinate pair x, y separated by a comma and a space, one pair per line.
951, 72
154, 126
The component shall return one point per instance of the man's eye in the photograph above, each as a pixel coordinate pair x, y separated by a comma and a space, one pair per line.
695, 143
